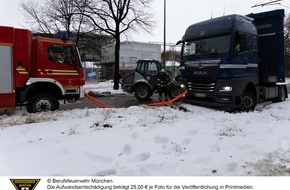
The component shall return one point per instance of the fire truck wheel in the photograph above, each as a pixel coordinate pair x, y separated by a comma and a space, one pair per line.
42, 103
248, 101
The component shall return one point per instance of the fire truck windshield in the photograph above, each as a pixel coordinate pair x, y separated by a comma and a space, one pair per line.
207, 47
64, 54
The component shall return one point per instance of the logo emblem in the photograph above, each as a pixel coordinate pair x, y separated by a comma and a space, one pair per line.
25, 184
200, 73
200, 66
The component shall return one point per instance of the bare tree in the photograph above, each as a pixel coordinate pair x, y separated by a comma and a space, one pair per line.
117, 17
35, 16
287, 44
51, 17
112, 17
287, 35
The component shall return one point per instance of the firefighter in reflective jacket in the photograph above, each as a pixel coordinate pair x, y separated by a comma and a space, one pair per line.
163, 79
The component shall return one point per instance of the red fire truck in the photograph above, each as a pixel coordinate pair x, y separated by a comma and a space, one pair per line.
37, 71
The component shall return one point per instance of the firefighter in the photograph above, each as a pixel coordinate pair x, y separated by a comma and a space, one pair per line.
163, 79
237, 44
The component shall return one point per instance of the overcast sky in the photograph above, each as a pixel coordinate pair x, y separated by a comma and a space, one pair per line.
180, 14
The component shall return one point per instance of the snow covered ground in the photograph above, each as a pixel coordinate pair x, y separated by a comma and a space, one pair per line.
177, 140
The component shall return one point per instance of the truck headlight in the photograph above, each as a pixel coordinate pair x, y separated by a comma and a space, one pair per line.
182, 67
226, 89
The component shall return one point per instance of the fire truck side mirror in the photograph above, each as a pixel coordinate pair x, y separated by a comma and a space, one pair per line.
19, 63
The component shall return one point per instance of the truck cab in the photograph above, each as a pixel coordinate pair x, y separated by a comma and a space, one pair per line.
56, 74
38, 72
222, 60
60, 61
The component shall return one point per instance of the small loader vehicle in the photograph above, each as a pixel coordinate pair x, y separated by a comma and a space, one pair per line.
143, 81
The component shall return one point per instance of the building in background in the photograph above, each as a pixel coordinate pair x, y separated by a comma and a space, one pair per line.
130, 52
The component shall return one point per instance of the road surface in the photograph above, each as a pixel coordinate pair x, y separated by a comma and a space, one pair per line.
118, 101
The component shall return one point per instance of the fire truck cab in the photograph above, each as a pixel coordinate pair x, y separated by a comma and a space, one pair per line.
37, 71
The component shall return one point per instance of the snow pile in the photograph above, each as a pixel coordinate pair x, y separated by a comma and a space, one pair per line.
103, 88
177, 140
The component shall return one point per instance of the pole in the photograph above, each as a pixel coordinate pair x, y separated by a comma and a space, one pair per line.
273, 2
164, 40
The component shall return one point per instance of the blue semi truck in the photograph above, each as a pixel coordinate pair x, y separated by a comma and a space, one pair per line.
233, 62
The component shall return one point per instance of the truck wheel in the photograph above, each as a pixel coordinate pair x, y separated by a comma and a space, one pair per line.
174, 91
143, 92
42, 103
281, 94
248, 101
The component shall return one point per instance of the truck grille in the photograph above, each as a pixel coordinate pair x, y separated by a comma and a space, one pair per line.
201, 87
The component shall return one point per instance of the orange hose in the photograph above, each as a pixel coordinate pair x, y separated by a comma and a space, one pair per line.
95, 101
165, 103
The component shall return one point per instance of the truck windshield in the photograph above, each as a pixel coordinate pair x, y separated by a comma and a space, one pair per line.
207, 47
63, 54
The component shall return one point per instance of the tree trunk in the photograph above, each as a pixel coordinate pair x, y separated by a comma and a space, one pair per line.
117, 60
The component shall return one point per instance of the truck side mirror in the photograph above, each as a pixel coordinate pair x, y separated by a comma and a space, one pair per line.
179, 42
